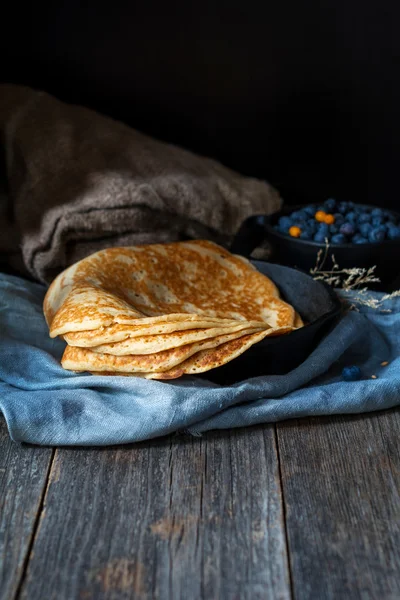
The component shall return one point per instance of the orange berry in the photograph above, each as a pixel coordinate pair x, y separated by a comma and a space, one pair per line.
295, 231
329, 219
320, 216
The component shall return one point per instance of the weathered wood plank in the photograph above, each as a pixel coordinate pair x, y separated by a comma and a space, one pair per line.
175, 518
23, 474
341, 485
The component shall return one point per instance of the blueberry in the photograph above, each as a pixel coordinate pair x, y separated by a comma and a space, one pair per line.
323, 227
305, 235
284, 224
330, 204
339, 219
359, 239
394, 233
377, 212
342, 208
390, 218
299, 216
365, 229
351, 216
320, 237
347, 229
339, 238
378, 220
310, 226
352, 373
376, 235
334, 229
364, 218
310, 210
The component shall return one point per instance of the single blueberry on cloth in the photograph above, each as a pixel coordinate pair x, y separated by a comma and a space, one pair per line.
352, 373
44, 404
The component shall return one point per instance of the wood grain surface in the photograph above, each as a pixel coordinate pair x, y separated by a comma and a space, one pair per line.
309, 509
174, 518
23, 475
341, 485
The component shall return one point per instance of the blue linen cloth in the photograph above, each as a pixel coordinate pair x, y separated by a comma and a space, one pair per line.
44, 404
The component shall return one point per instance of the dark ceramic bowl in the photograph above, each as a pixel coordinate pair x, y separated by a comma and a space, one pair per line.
319, 308
295, 252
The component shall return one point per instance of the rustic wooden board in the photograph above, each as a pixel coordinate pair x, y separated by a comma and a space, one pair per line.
175, 518
341, 487
23, 475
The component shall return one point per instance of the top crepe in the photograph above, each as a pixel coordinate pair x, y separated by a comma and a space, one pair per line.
195, 281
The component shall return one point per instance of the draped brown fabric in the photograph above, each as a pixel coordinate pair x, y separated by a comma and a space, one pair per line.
78, 182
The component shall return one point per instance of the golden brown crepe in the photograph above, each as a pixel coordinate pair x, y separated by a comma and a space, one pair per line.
203, 360
118, 333
148, 344
163, 310
162, 283
84, 359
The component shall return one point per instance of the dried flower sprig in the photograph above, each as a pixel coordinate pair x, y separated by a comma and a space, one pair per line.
351, 280
346, 279
365, 298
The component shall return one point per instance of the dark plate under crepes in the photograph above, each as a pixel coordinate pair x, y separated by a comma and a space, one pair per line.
319, 307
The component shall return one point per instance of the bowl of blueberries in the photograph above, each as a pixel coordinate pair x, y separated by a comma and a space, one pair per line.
357, 235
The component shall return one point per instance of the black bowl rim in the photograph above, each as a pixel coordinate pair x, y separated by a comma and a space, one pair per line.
311, 243
335, 311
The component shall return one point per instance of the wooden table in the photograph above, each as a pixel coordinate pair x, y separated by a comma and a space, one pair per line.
307, 509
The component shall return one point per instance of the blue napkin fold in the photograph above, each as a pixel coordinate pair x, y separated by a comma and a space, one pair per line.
43, 404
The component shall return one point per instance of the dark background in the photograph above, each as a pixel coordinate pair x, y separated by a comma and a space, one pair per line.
303, 94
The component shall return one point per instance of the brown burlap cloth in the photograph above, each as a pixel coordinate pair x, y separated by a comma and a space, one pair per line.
76, 181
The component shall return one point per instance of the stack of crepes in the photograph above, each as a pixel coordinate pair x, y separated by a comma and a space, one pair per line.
164, 310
